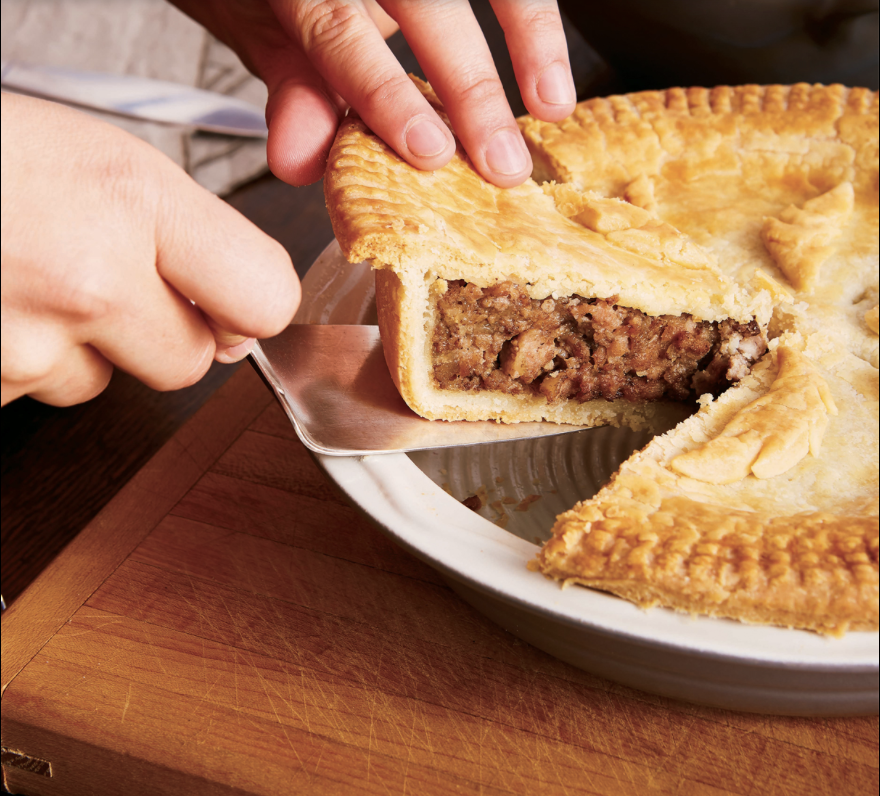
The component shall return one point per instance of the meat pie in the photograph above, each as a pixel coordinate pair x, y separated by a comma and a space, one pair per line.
710, 244
585, 349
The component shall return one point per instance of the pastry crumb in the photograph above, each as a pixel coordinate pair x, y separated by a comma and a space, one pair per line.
473, 502
526, 502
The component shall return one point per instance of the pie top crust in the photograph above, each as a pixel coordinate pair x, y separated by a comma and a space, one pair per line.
726, 202
454, 224
767, 139
796, 548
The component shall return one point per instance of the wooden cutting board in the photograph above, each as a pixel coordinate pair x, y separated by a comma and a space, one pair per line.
228, 624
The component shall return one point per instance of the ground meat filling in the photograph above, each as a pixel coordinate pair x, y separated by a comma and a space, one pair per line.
498, 338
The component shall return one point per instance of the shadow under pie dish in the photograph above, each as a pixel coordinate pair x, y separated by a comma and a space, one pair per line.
651, 275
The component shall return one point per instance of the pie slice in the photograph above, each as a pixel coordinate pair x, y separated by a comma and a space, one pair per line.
535, 303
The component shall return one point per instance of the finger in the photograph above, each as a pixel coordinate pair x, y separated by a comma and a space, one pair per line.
29, 349
386, 26
212, 255
230, 347
83, 374
449, 44
152, 332
346, 48
302, 113
235, 353
40, 360
539, 52
302, 126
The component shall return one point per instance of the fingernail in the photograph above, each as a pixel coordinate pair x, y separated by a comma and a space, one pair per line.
555, 86
425, 140
235, 353
505, 153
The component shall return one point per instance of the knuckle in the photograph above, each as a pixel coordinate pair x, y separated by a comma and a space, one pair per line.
478, 88
57, 374
89, 300
382, 90
538, 17
29, 350
26, 370
126, 169
324, 25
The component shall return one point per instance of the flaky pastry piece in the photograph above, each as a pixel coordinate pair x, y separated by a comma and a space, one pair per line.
489, 299
685, 525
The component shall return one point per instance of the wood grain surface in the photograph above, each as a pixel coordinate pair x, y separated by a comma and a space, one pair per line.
229, 624
226, 623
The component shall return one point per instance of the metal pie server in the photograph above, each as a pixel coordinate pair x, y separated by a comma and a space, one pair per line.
334, 385
138, 98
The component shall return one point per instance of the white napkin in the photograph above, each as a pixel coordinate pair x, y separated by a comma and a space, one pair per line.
148, 38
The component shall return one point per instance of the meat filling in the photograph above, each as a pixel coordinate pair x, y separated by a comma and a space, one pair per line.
498, 338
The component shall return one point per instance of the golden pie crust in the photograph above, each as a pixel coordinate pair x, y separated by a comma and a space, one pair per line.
733, 202
770, 180
796, 548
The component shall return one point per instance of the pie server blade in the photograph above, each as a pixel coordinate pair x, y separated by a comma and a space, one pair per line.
334, 385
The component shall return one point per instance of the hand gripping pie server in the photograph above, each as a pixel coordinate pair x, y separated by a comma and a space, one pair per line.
331, 380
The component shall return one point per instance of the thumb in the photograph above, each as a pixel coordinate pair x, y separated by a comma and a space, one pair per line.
229, 346
302, 113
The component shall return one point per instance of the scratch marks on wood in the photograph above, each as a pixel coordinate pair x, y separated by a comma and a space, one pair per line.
326, 660
125, 707
269, 690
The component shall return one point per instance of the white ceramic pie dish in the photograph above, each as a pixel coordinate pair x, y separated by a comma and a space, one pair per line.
416, 499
